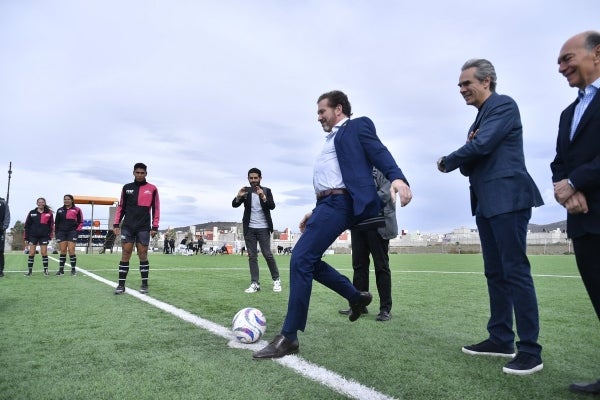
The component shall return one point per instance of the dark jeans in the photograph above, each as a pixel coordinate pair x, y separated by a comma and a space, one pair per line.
370, 242
331, 216
510, 285
588, 262
260, 236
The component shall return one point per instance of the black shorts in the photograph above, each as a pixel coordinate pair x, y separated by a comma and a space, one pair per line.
67, 236
41, 240
141, 237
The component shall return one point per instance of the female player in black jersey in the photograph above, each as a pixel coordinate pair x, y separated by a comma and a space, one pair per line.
39, 227
69, 222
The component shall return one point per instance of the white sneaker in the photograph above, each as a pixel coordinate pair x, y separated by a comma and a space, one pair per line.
277, 285
254, 287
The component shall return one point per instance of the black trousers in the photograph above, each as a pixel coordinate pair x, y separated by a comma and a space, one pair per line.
2, 244
367, 243
588, 262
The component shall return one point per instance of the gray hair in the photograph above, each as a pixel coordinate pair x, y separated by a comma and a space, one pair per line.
483, 69
592, 40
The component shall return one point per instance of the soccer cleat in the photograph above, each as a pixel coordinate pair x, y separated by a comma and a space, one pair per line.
45, 272
73, 272
254, 287
1, 274
488, 348
120, 289
60, 272
28, 273
523, 364
277, 285
144, 289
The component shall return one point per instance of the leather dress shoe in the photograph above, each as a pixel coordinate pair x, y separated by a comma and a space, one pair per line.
383, 316
280, 346
586, 388
347, 311
356, 309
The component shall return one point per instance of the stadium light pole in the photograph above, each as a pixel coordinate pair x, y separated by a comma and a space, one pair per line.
9, 174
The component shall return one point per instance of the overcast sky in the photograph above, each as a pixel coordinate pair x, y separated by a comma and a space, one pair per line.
201, 91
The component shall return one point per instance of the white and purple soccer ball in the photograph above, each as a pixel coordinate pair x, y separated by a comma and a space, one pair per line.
248, 325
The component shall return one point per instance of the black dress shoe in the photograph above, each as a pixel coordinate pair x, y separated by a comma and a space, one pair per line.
356, 309
383, 316
279, 347
349, 310
585, 388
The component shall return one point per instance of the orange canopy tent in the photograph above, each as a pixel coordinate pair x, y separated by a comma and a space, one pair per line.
94, 200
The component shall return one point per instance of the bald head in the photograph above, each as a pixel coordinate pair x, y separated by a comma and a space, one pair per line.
579, 59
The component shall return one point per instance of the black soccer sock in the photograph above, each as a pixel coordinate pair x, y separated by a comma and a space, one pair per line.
45, 262
61, 261
144, 271
30, 263
123, 271
73, 261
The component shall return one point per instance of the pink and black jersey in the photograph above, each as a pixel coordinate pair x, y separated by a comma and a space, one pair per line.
38, 224
69, 219
139, 207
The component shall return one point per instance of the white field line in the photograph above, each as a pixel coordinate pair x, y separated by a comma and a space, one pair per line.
347, 269
327, 378
481, 273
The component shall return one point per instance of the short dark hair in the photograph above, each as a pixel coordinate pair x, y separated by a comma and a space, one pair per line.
336, 97
140, 165
254, 171
483, 69
592, 40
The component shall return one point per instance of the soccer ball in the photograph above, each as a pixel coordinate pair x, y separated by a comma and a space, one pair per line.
248, 325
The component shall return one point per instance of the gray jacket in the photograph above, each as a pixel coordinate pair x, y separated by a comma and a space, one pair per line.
390, 230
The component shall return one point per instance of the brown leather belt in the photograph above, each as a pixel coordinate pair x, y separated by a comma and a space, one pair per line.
329, 192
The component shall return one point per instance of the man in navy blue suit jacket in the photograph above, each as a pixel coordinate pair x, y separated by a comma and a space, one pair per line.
576, 167
346, 195
502, 195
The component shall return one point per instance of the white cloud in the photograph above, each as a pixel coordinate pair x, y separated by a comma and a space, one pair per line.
201, 92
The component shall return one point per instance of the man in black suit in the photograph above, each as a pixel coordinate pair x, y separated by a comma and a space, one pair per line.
576, 167
375, 243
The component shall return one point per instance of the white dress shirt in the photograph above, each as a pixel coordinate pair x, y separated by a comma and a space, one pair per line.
327, 174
